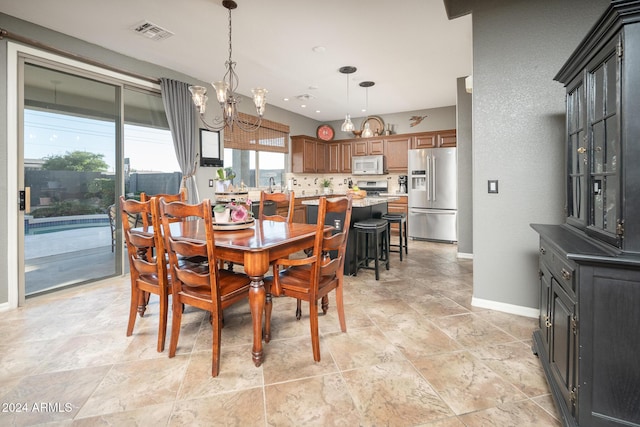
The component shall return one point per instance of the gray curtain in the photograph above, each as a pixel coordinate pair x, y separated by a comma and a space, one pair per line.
184, 130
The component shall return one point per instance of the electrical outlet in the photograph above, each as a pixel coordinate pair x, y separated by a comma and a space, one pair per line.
492, 186
210, 183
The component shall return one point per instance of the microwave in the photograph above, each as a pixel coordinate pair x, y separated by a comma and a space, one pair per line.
368, 165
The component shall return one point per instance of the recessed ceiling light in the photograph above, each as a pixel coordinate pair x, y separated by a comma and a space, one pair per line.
319, 49
313, 87
317, 111
303, 106
285, 99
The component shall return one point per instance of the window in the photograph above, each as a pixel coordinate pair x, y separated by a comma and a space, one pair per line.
255, 168
256, 157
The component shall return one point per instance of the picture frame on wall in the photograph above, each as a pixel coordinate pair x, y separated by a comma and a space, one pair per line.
210, 148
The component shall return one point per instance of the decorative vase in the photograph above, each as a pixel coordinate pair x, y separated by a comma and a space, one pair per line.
222, 217
222, 186
327, 190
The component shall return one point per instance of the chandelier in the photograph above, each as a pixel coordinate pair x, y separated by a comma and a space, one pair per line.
347, 126
225, 93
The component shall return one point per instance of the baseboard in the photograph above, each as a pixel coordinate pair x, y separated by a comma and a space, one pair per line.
506, 308
5, 307
463, 255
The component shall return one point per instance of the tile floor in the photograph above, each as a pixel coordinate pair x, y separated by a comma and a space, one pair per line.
416, 354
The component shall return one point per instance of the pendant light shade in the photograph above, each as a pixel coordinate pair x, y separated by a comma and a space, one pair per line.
347, 126
367, 132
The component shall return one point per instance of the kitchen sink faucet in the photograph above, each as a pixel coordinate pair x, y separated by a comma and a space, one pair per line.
272, 181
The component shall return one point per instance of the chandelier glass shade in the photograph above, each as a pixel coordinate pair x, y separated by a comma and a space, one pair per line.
226, 95
367, 132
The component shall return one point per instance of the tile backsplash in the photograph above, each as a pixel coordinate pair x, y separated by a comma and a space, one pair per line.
309, 184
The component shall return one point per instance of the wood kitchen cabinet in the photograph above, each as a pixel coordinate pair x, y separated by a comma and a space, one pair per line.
333, 157
587, 339
398, 206
396, 151
345, 157
308, 155
368, 146
435, 139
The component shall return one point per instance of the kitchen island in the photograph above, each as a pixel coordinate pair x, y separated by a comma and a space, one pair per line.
369, 207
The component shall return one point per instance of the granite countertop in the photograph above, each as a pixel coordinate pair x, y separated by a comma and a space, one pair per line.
393, 194
358, 203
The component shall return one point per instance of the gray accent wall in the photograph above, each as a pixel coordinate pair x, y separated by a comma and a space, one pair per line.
518, 136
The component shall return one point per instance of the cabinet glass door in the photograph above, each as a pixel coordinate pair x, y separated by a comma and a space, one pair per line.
577, 156
603, 122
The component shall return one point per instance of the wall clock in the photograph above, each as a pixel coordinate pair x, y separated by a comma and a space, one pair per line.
325, 132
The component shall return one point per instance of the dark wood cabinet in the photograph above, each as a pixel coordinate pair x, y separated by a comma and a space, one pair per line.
333, 157
588, 340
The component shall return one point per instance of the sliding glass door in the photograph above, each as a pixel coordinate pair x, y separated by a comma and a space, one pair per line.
71, 132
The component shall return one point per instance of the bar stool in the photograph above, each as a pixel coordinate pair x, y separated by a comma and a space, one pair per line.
399, 218
378, 228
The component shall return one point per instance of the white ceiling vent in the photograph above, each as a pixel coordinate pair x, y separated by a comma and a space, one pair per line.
152, 31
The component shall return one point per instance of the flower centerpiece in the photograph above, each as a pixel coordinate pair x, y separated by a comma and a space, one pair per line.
233, 212
224, 180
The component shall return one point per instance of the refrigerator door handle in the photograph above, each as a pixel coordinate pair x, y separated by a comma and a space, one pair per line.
433, 178
428, 178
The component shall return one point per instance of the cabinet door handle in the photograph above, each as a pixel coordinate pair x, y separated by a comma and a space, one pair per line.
548, 324
582, 150
566, 275
542, 250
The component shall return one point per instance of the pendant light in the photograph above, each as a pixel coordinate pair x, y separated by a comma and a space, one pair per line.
367, 132
347, 126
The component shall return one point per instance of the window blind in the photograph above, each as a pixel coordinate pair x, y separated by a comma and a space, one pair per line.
270, 136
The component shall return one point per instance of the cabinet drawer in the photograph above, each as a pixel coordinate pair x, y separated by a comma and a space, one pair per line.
560, 267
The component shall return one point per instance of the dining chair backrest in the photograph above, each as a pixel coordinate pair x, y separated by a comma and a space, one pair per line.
277, 198
179, 197
184, 276
335, 242
143, 247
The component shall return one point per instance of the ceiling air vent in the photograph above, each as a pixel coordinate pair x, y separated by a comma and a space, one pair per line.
152, 31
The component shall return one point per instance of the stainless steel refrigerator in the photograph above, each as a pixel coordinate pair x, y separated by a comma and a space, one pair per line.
433, 194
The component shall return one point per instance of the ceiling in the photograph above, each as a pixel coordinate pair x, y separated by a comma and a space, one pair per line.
409, 48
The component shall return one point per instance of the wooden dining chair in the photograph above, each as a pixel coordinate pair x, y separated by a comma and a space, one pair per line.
203, 286
147, 263
277, 198
312, 278
181, 196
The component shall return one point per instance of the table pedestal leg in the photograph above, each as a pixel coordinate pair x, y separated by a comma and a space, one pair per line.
256, 303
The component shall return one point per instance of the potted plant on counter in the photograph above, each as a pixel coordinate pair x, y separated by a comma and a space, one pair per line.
232, 212
224, 180
326, 185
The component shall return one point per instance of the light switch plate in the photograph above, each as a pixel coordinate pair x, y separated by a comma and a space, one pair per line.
492, 185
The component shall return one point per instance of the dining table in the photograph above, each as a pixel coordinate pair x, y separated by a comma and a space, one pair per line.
255, 248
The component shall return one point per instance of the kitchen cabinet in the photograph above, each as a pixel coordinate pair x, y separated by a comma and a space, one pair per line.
587, 339
395, 150
333, 157
345, 157
368, 146
308, 155
398, 206
434, 139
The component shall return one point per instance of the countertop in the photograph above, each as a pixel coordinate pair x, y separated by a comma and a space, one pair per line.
394, 195
358, 203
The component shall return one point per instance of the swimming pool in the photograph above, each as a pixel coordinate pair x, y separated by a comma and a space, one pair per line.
33, 226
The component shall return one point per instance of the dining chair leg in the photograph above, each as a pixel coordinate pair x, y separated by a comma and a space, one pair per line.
162, 327
268, 308
216, 331
176, 319
315, 339
340, 308
299, 310
325, 304
133, 311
